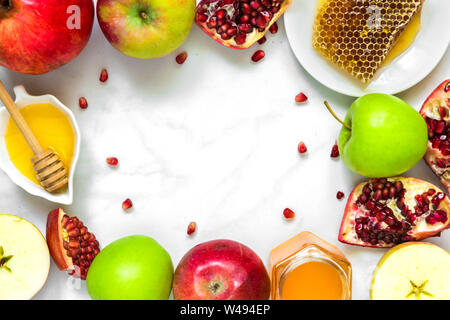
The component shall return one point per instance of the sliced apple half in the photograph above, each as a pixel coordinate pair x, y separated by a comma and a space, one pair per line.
412, 271
24, 259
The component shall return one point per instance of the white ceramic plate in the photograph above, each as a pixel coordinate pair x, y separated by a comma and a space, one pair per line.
405, 71
23, 99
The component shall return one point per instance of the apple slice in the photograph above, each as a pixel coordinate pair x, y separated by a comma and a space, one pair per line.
24, 259
412, 271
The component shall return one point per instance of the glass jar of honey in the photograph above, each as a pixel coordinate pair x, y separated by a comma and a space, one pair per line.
307, 267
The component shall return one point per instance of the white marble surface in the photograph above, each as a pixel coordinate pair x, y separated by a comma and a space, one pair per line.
212, 141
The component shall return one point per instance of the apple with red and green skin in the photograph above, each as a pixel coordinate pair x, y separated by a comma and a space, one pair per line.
146, 29
38, 36
221, 270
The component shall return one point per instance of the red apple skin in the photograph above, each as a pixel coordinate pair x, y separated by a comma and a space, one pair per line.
235, 269
34, 34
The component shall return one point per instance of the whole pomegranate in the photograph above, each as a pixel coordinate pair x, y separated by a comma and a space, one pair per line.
435, 111
38, 36
384, 212
238, 24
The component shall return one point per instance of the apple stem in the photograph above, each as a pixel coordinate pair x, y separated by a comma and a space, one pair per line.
335, 116
144, 15
5, 5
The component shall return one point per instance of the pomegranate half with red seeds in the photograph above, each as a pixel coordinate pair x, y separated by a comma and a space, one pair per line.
436, 112
238, 24
384, 212
72, 247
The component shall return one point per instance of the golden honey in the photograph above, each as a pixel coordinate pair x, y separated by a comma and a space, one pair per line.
359, 36
52, 129
306, 267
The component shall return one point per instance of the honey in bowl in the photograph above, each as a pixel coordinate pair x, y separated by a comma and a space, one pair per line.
52, 129
360, 36
307, 267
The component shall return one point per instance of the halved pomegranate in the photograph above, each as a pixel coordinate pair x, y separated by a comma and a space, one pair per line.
436, 111
238, 24
384, 212
71, 245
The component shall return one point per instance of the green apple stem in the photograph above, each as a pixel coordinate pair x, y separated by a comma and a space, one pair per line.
335, 116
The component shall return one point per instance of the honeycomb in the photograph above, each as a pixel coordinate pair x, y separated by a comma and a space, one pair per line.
357, 35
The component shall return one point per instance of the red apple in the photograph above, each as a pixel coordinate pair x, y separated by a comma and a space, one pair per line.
38, 36
221, 270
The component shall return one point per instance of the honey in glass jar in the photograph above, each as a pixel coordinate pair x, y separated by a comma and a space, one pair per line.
307, 267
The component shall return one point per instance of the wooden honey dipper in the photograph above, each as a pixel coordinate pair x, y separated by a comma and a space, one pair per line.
49, 168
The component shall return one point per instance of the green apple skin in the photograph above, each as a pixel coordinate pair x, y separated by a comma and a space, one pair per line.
146, 29
388, 137
131, 268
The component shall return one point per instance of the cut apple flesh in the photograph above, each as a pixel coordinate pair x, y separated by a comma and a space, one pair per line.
412, 271
27, 258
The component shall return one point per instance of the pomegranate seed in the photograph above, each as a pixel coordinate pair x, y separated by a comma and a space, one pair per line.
334, 151
181, 58
262, 40
273, 28
191, 228
127, 204
83, 103
301, 97
340, 195
240, 38
442, 112
112, 161
258, 55
288, 213
104, 75
302, 147
447, 87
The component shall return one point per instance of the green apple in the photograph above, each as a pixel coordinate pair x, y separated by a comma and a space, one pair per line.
146, 29
131, 268
24, 259
412, 271
387, 136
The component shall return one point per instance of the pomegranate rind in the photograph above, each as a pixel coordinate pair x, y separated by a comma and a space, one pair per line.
430, 108
54, 237
252, 37
420, 231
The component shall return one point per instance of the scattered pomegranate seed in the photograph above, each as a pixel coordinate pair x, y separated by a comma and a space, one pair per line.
181, 58
273, 28
335, 151
340, 195
127, 204
112, 161
83, 103
288, 213
301, 97
262, 40
302, 147
258, 55
104, 75
191, 228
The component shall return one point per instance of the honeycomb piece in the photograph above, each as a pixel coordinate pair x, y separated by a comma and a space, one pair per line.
357, 35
